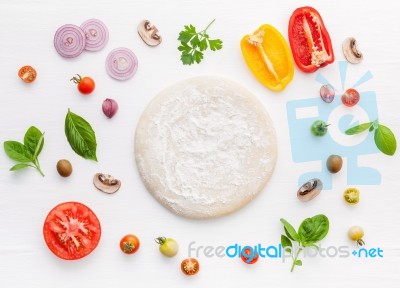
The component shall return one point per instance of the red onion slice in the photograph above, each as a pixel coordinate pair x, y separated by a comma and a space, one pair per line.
69, 41
96, 34
121, 64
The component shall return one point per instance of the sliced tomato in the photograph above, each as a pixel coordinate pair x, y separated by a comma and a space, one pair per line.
190, 266
309, 40
27, 74
71, 230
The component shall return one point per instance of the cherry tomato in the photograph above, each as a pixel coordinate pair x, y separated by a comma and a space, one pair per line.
129, 244
350, 97
71, 230
190, 266
85, 85
319, 128
351, 195
356, 233
27, 74
168, 246
309, 40
249, 256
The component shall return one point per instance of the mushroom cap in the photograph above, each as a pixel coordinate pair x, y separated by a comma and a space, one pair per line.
351, 51
149, 33
106, 183
309, 190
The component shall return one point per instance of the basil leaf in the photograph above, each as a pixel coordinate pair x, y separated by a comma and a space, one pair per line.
298, 263
80, 136
17, 151
19, 166
358, 129
287, 234
31, 140
313, 229
290, 230
285, 241
385, 140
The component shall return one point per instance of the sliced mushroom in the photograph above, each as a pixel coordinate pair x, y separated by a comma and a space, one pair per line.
351, 51
106, 183
309, 190
149, 33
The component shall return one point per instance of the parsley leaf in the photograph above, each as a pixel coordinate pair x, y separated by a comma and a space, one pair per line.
193, 44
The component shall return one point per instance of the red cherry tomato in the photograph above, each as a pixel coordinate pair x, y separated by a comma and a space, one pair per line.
249, 256
27, 74
309, 40
350, 97
190, 266
129, 244
86, 85
71, 230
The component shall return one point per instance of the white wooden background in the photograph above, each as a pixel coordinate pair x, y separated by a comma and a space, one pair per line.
26, 37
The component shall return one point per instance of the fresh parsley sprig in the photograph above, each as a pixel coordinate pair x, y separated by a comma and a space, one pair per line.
193, 44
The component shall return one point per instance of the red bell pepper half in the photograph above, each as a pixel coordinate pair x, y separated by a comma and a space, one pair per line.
309, 40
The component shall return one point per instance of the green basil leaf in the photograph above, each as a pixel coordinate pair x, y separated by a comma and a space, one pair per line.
313, 229
31, 140
80, 136
19, 166
385, 140
290, 230
286, 243
39, 147
298, 263
287, 234
358, 129
17, 151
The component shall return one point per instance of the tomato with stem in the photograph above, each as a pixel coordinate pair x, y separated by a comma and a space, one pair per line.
86, 84
129, 244
249, 256
168, 246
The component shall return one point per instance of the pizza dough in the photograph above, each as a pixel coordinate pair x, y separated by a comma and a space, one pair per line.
205, 147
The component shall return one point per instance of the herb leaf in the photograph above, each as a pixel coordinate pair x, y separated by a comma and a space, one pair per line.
19, 166
215, 44
193, 44
290, 230
31, 140
286, 243
80, 136
298, 263
17, 151
27, 152
385, 140
313, 229
358, 129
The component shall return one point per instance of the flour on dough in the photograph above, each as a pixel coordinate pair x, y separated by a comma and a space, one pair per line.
205, 147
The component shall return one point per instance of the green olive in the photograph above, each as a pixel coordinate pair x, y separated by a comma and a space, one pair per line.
334, 163
64, 168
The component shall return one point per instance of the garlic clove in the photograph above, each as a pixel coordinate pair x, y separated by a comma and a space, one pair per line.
110, 107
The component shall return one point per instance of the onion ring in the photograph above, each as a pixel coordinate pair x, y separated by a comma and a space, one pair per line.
96, 34
121, 64
69, 41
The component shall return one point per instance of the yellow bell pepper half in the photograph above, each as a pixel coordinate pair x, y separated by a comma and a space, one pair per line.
268, 56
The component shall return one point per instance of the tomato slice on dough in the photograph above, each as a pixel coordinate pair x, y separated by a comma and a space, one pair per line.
71, 230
